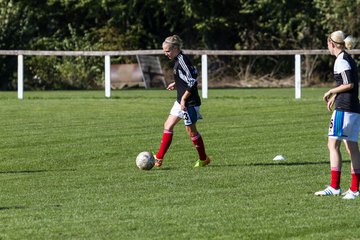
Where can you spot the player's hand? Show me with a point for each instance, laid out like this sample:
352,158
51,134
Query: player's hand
326,96
330,103
171,86
182,105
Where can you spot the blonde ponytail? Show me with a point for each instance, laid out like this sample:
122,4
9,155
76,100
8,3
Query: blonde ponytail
350,42
338,38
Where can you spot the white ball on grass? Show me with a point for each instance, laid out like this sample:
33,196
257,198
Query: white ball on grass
145,161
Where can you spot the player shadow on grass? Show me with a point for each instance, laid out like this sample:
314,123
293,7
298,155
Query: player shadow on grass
293,163
12,208
35,171
277,163
19,207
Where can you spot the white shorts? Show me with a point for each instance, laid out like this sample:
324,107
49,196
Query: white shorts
344,126
190,116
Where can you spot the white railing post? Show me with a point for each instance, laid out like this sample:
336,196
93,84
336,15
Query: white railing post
20,83
204,76
297,76
107,77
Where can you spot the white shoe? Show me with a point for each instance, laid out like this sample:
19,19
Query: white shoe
350,194
329,191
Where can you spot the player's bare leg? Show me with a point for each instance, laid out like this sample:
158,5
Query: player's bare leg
335,165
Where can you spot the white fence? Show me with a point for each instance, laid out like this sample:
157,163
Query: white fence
204,70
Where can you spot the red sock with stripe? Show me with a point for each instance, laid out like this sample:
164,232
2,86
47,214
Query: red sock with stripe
335,177
165,143
199,145
355,177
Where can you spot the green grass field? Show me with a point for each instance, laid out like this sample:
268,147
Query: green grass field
67,168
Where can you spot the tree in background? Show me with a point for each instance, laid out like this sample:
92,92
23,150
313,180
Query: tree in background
143,24
336,15
15,31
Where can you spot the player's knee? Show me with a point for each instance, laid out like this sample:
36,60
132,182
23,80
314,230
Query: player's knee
334,143
352,147
191,131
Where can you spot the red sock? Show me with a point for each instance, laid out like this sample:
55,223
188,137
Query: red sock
199,145
355,177
165,144
335,178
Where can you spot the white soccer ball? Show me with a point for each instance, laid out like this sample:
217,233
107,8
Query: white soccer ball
145,161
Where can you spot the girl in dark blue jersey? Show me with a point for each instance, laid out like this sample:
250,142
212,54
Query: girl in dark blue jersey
345,120
187,104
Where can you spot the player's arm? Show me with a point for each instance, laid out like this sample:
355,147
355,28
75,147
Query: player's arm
339,89
183,100
347,82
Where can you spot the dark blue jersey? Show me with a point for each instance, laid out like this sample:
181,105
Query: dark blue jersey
185,75
345,72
